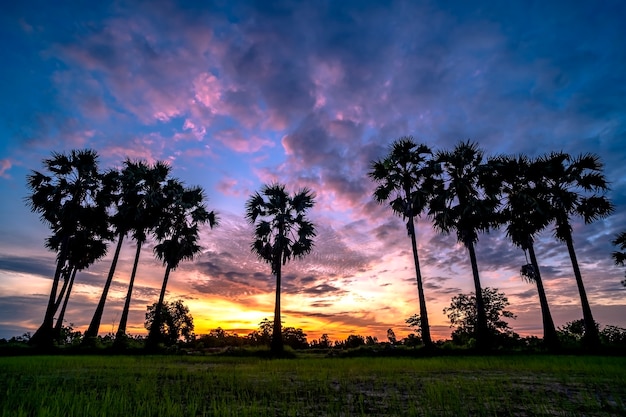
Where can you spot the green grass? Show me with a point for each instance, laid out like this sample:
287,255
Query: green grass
247,386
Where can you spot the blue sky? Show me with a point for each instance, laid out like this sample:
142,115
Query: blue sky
234,94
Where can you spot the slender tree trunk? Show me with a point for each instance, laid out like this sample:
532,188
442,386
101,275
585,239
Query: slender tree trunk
276,345
44,335
94,326
59,325
550,337
155,330
482,333
425,326
66,280
592,338
121,329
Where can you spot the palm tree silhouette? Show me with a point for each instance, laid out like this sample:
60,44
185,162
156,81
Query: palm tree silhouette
525,214
177,233
282,232
128,185
575,186
68,199
463,204
407,179
148,212
85,249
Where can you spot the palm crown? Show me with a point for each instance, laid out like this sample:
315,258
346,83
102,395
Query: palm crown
282,231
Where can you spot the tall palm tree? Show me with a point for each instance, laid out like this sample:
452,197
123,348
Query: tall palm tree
620,257
575,186
407,178
128,185
67,199
463,204
525,214
282,232
148,213
177,234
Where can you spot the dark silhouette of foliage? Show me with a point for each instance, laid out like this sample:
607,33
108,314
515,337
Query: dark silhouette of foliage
70,199
620,257
524,214
148,205
406,178
282,232
174,322
177,233
463,316
466,204
575,186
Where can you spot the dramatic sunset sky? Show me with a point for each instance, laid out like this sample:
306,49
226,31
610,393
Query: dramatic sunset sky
235,94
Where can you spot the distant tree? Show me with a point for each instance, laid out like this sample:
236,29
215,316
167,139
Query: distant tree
465,204
295,338
406,178
354,341
620,257
177,234
575,186
323,342
463,315
174,322
414,322
69,199
371,340
282,232
391,336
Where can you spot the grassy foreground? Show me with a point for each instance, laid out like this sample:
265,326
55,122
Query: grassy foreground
228,386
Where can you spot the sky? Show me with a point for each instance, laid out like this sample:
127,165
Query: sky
237,94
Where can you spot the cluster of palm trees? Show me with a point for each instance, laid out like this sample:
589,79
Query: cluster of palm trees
86,208
464,192
460,190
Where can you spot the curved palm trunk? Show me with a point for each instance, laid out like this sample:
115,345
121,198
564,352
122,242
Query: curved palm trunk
276,345
425,326
482,333
550,337
155,330
592,338
94,326
121,329
45,333
59,325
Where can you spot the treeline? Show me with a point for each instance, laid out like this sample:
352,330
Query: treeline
461,191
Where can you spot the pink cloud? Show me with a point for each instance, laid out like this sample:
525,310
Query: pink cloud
5,165
235,140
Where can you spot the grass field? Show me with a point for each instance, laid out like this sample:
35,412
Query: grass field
228,386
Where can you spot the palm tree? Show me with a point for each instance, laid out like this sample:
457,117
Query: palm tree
576,186
463,204
525,214
407,178
177,234
282,232
620,257
68,199
148,213
86,249
129,188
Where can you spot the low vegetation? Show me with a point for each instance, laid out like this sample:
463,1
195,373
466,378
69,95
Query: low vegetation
311,386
